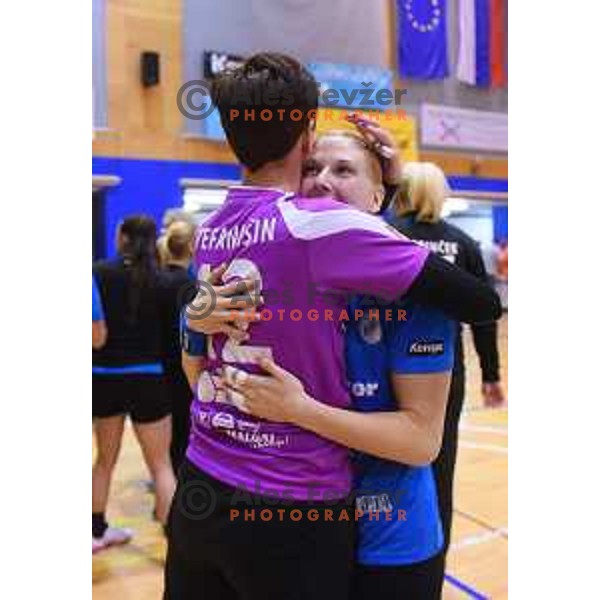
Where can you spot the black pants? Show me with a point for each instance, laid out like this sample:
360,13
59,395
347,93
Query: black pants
180,396
420,581
214,555
444,465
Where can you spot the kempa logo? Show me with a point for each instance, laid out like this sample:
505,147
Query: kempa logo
432,348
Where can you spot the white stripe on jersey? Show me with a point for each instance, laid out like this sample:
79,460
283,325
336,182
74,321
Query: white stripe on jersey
311,225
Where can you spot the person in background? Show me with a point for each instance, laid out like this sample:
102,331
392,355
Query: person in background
128,375
417,214
172,216
98,323
163,252
177,290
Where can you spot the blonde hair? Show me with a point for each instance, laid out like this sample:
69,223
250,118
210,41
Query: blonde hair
163,252
423,190
176,243
180,239
372,157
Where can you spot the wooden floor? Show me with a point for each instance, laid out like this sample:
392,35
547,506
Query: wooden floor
478,560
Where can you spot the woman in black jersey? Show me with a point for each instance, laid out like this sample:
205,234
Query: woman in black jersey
417,214
128,375
177,290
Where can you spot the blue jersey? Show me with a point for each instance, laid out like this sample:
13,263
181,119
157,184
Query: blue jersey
375,348
192,342
97,312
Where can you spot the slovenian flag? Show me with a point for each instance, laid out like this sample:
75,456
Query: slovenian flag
481,50
422,36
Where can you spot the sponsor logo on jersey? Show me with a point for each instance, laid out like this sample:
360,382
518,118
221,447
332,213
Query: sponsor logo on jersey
361,390
426,348
248,426
371,504
444,248
223,421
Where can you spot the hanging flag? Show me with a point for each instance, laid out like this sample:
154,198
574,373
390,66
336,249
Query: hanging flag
482,43
423,47
498,43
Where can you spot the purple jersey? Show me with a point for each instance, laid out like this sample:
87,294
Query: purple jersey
309,255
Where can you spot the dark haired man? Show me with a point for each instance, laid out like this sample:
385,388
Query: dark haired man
260,509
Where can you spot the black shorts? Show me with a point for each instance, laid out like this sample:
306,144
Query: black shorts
143,397
419,581
215,554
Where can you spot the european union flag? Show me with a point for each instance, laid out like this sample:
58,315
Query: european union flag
423,46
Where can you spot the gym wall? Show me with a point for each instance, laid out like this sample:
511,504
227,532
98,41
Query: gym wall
141,137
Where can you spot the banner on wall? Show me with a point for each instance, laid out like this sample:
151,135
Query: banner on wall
449,127
216,62
356,87
352,86
401,125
